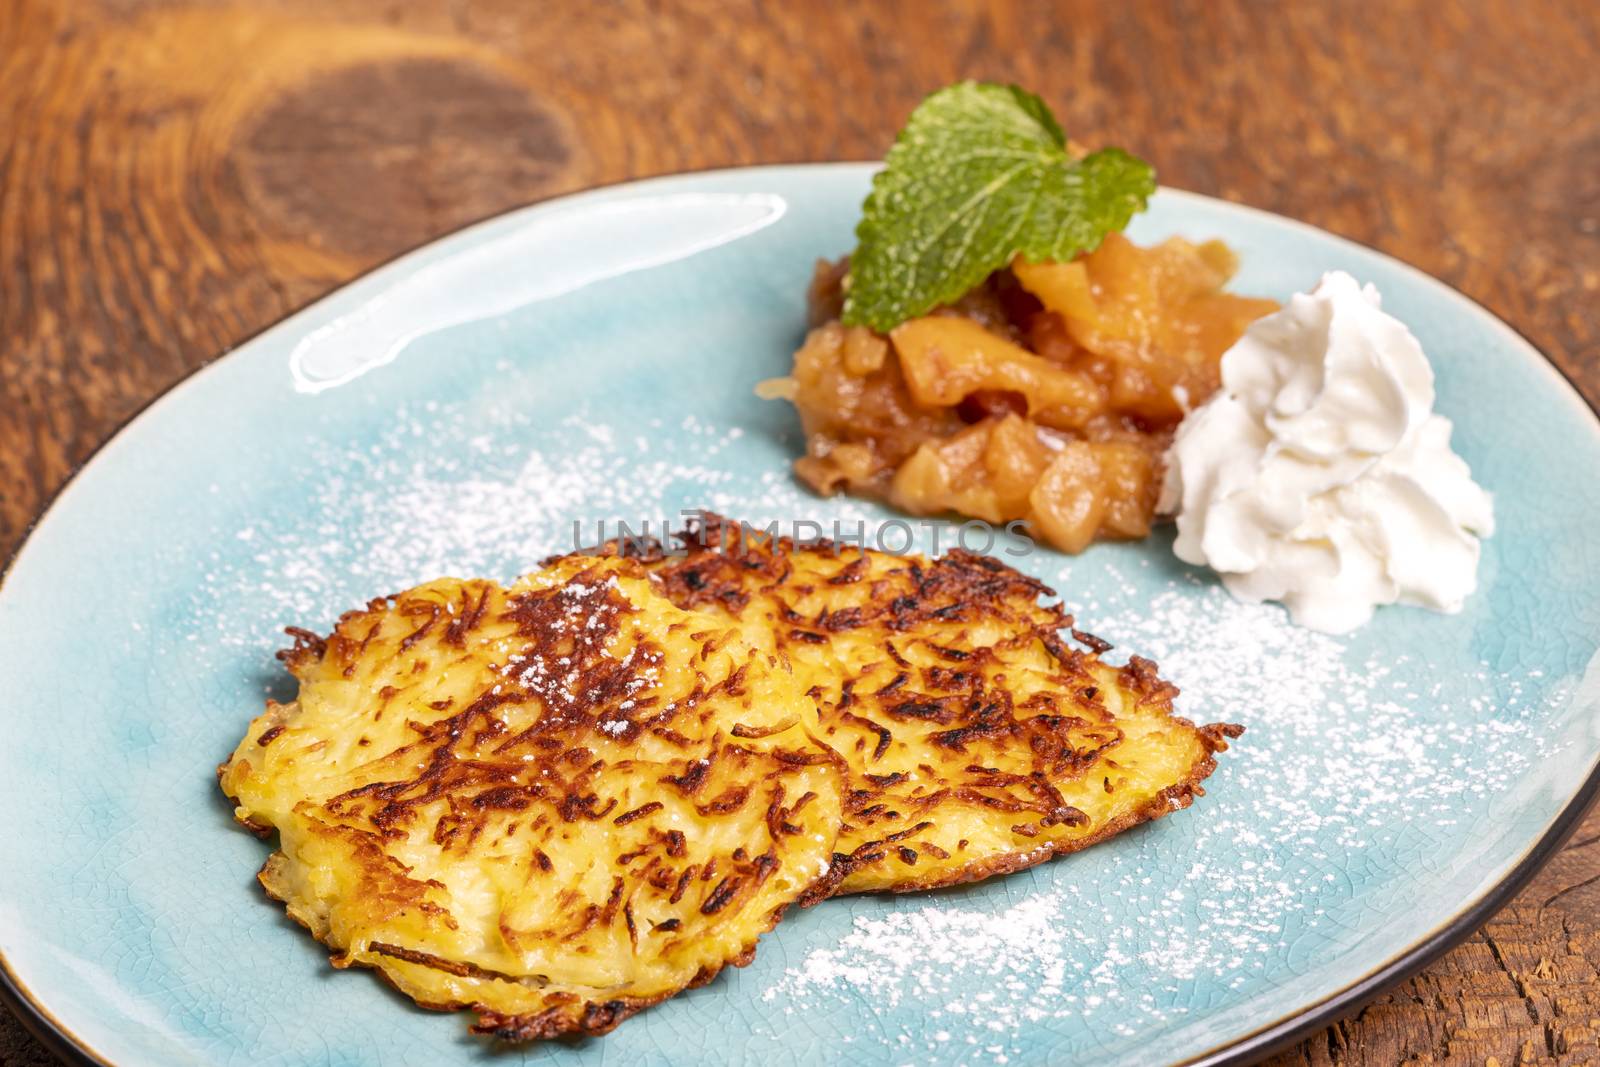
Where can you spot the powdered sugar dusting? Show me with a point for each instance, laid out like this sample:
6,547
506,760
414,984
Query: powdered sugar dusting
1359,767
490,495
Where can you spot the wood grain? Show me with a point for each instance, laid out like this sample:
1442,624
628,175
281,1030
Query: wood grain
174,177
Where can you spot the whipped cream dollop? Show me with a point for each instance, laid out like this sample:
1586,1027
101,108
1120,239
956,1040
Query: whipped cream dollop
1319,475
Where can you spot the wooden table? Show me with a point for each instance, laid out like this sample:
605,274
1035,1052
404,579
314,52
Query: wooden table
174,177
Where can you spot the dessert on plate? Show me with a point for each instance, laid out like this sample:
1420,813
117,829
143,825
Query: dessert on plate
560,802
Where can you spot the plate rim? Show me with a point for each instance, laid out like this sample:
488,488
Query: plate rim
59,1038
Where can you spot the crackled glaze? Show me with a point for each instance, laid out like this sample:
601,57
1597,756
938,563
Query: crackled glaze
1388,780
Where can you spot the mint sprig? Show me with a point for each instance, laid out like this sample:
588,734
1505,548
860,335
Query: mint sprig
980,174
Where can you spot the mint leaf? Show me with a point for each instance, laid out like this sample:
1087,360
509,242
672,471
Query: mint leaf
980,174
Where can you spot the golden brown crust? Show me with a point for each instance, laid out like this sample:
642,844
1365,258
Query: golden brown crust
953,697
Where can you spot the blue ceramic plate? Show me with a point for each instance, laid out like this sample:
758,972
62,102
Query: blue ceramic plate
592,359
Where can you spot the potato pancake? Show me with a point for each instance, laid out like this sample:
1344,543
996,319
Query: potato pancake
978,741
555,803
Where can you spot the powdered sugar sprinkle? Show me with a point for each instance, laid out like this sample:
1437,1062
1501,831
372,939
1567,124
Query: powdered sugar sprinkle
1358,764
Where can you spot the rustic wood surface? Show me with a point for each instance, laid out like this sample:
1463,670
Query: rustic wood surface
174,177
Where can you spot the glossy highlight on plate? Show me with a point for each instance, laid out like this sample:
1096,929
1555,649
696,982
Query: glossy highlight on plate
505,273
